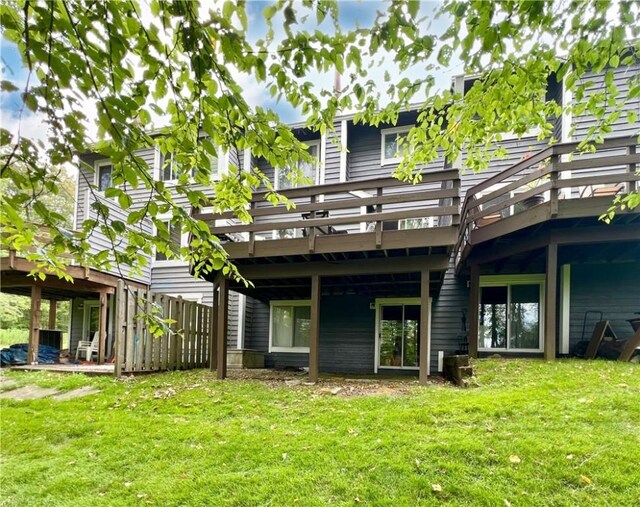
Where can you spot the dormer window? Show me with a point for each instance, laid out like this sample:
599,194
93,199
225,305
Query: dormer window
394,144
310,170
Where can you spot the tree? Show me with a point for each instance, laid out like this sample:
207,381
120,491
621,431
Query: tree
188,65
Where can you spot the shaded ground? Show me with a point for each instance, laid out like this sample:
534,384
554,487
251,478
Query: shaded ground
337,385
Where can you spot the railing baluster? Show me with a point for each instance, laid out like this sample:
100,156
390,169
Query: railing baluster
553,193
379,222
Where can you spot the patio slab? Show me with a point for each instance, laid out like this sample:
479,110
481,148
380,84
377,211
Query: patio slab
76,393
28,393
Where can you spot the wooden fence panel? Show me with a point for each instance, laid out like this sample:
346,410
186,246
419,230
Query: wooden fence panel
149,339
185,345
131,310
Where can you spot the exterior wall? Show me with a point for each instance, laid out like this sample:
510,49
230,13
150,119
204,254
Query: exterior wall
176,280
621,127
347,336
613,289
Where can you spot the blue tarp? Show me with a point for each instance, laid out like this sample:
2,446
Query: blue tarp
17,354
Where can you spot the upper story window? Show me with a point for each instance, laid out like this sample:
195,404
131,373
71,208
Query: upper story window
103,171
394,144
175,235
290,326
170,169
310,170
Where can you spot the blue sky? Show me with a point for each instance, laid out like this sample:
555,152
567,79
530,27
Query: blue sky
352,14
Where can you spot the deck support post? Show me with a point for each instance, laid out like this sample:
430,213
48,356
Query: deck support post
550,302
474,305
102,327
213,352
34,329
314,335
53,307
425,338
223,315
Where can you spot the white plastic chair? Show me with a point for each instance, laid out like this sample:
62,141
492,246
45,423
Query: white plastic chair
89,347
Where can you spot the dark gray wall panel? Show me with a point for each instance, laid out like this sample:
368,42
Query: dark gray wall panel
613,289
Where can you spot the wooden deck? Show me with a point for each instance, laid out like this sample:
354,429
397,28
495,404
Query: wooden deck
550,187
371,215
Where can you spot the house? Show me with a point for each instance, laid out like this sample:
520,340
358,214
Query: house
371,275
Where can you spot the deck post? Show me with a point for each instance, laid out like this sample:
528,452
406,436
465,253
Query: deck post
53,307
102,327
34,329
223,304
120,328
314,334
550,302
474,304
425,338
213,352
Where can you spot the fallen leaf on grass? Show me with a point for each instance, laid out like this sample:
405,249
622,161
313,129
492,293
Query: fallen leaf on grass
569,456
514,459
436,488
585,479
507,502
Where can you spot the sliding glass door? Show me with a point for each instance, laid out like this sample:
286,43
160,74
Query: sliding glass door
510,316
398,335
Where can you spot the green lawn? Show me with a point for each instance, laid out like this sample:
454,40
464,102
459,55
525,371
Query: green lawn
533,433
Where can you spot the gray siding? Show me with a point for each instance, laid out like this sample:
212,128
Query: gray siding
347,336
613,289
332,155
621,127
176,280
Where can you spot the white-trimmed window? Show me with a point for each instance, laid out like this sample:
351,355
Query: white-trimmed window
177,240
169,170
290,326
510,313
394,144
310,170
103,174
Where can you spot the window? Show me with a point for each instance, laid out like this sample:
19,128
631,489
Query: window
394,144
310,170
103,172
510,313
169,169
290,326
174,232
415,223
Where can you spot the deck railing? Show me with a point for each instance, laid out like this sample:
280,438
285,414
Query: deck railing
546,179
364,206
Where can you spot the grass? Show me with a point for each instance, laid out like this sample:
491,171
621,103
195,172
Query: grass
534,433
10,336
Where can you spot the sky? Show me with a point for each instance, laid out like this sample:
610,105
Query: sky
14,117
